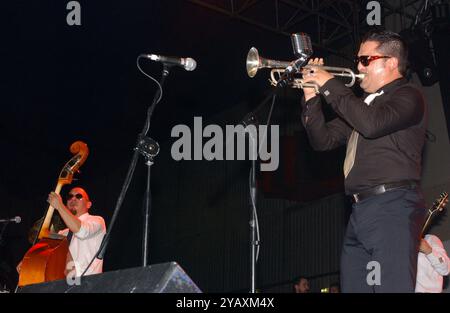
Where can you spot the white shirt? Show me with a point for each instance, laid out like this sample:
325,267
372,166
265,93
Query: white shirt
85,244
432,267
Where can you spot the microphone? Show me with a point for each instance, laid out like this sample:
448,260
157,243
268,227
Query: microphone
301,44
16,220
188,64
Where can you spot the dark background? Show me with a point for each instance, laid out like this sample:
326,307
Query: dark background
63,83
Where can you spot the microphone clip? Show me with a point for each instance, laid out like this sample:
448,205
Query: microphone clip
147,147
291,70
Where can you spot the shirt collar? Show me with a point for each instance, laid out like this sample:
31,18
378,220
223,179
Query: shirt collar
84,215
389,86
396,82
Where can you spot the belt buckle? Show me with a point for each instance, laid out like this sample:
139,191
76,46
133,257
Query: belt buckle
355,197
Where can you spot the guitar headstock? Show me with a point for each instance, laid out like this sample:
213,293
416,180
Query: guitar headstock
81,151
440,203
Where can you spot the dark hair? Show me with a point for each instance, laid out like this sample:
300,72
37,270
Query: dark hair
298,279
390,44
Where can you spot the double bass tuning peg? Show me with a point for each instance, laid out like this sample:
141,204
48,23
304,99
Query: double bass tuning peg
76,172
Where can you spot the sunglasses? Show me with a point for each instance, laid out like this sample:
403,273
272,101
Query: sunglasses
367,59
79,196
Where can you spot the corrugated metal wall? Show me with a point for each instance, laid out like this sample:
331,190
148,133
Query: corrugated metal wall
203,224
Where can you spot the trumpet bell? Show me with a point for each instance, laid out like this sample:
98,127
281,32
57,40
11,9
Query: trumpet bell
252,62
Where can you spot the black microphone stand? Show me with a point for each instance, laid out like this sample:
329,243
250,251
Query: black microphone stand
254,242
250,119
148,148
5,224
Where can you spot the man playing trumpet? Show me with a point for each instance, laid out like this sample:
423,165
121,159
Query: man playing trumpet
384,132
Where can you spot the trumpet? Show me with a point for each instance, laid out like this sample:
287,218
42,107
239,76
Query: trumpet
255,62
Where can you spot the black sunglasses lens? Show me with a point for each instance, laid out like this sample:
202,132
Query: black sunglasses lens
363,59
79,196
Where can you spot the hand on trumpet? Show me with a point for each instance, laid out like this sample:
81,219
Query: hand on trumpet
314,75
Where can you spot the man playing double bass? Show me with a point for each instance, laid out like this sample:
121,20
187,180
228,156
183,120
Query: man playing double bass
85,232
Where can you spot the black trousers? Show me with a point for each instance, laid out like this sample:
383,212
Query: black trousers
381,244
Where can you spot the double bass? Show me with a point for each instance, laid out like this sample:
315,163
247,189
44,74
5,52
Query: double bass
46,260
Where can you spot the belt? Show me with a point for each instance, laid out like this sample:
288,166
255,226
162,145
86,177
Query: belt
380,189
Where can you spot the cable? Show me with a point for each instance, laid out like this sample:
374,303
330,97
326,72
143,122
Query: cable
255,214
149,76
152,107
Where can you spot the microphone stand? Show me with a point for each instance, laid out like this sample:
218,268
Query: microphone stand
254,242
148,148
3,231
250,119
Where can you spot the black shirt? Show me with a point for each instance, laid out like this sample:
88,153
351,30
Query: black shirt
392,131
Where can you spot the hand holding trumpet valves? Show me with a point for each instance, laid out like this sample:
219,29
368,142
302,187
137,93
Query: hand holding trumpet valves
314,72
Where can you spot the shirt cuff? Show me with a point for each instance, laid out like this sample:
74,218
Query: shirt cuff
333,89
434,259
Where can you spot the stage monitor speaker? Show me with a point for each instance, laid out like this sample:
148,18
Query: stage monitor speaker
159,278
